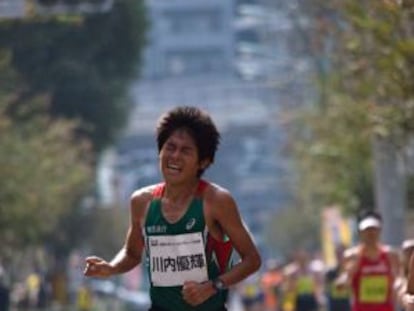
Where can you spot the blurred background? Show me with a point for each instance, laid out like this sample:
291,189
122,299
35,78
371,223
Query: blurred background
314,100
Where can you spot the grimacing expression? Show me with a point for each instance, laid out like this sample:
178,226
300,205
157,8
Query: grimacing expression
179,158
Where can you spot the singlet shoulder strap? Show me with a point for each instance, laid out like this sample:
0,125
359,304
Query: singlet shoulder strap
158,190
385,249
202,185
385,253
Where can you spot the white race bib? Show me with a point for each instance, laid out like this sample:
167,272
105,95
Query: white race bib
175,259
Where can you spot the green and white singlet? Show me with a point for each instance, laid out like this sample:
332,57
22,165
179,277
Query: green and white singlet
182,251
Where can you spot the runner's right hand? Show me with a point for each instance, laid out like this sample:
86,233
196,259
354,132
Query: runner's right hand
341,282
98,267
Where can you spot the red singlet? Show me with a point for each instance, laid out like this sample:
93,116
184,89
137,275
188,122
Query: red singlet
372,284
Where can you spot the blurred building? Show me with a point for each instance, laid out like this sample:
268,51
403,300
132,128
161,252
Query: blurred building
188,38
29,8
270,47
12,8
52,7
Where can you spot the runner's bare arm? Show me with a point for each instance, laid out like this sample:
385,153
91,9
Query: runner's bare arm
223,218
130,255
223,210
396,268
396,263
349,263
226,213
408,297
410,280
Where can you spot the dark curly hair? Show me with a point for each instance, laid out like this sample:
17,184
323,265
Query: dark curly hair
198,125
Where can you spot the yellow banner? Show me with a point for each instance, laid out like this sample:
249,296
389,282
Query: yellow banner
336,232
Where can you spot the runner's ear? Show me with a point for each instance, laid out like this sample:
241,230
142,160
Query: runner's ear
204,163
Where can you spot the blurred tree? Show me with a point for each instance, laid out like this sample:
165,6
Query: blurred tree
44,168
290,232
368,93
83,227
84,64
107,230
333,156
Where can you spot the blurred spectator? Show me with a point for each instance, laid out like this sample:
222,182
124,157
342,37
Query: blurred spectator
33,286
252,296
84,298
44,293
407,249
271,282
19,296
303,283
4,292
74,278
59,287
338,299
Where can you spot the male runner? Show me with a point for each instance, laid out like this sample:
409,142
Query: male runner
186,225
371,268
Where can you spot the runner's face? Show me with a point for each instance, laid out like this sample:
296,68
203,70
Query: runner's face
370,235
179,157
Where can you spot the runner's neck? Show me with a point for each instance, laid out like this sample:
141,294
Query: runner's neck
177,195
371,250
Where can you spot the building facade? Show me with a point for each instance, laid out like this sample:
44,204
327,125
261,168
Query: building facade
188,38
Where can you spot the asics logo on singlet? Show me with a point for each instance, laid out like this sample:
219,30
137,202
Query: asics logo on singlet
190,224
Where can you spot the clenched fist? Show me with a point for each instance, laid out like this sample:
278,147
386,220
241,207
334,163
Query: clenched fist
98,267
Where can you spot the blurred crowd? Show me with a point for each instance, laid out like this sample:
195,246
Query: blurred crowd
303,283
38,292
46,287
307,283
283,286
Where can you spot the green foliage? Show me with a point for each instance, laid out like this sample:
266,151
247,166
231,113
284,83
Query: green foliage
385,52
44,169
369,91
85,64
107,230
63,83
290,232
334,155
